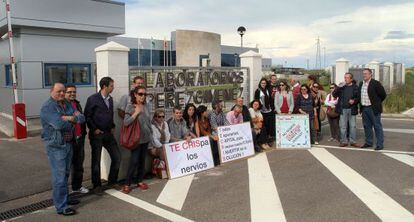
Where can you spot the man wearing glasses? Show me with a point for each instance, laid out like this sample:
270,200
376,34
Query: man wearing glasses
78,144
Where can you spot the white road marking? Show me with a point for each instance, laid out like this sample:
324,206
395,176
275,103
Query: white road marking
175,191
361,149
265,204
407,159
392,130
379,202
146,206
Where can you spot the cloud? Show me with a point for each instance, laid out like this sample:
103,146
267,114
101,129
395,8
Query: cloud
286,29
398,35
343,22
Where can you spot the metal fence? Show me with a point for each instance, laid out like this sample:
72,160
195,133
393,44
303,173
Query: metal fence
171,86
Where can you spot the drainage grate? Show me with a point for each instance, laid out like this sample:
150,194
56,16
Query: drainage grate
25,210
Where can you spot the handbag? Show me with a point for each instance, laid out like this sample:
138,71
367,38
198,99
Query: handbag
322,114
130,135
332,114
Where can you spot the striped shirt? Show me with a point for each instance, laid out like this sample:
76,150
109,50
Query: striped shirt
364,94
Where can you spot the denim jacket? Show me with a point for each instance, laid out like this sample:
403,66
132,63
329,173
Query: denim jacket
53,126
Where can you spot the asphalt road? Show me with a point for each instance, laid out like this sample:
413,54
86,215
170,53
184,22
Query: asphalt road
321,184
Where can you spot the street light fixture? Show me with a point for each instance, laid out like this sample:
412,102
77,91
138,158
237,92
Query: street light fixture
241,30
235,59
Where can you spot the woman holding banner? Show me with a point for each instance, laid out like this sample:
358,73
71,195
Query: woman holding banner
284,103
203,128
306,105
263,94
137,110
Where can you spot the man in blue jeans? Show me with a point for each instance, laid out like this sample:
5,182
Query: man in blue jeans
58,118
347,106
372,94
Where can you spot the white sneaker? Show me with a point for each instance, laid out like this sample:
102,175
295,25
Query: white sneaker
316,143
83,190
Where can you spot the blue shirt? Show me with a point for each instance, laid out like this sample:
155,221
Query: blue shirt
53,126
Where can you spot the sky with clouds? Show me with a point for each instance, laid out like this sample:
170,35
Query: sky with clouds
286,31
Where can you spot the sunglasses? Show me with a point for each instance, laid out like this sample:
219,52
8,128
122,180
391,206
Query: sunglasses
160,116
141,94
281,84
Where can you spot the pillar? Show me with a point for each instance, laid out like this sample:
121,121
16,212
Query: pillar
403,73
253,61
342,67
112,61
391,73
374,65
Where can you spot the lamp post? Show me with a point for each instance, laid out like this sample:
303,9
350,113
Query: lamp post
241,30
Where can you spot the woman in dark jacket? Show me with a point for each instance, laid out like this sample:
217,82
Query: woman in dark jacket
263,94
306,105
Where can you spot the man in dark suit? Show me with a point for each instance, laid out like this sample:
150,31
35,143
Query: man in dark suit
372,94
99,113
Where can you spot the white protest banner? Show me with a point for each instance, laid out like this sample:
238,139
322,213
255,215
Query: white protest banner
292,131
184,158
235,142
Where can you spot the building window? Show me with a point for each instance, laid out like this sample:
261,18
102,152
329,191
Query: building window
9,77
77,74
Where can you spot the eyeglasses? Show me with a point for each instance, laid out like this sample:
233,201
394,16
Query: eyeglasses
160,117
141,94
70,92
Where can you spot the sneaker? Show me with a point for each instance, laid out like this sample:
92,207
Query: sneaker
316,143
82,190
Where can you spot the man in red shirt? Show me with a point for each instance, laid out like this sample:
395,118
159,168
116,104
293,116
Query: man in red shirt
78,144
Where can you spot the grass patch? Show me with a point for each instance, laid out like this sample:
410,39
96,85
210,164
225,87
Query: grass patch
401,98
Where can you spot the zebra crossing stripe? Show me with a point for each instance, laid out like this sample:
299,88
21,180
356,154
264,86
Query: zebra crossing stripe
175,191
407,159
147,206
380,203
265,204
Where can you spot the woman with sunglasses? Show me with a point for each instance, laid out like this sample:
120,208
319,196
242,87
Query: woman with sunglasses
160,133
284,103
331,102
138,110
306,105
318,97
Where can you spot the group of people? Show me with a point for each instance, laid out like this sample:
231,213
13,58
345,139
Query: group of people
64,125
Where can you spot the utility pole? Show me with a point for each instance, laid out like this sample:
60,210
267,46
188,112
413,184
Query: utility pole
318,64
